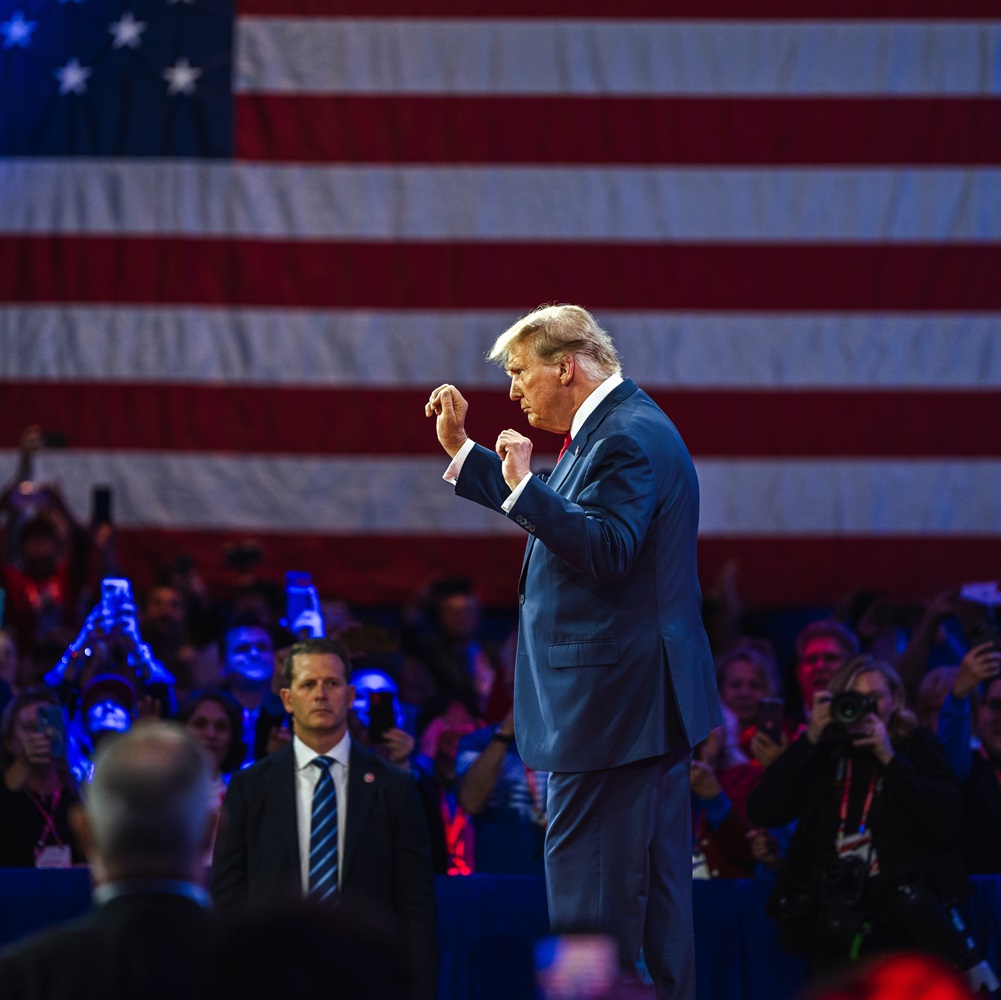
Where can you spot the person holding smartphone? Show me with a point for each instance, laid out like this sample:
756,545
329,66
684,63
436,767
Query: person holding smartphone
37,791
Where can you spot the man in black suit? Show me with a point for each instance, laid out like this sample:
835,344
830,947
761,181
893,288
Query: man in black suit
379,838
146,827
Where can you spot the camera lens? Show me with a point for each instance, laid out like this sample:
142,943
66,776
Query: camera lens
849,706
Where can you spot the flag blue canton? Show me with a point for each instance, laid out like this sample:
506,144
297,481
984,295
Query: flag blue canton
114,78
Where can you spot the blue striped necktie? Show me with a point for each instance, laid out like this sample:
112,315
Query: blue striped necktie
323,835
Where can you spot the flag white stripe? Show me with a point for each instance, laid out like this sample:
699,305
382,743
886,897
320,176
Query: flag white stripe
391,496
634,204
386,348
428,56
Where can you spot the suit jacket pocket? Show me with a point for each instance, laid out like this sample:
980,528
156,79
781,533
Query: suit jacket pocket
585,653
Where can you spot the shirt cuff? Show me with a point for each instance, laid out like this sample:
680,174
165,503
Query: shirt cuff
515,493
455,466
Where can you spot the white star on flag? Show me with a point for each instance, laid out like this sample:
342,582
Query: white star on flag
127,31
17,31
181,77
73,78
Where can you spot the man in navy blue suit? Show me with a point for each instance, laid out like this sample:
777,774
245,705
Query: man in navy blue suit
614,680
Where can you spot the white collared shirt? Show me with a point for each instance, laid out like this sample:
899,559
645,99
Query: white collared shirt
583,412
306,777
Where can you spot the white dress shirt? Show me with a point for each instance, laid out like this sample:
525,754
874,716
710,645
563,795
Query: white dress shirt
306,777
583,412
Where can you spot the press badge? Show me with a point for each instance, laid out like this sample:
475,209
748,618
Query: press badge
54,856
858,845
700,866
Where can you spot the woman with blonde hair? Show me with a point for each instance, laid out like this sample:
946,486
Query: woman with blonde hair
875,853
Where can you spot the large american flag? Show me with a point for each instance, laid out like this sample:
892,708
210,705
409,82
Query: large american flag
238,248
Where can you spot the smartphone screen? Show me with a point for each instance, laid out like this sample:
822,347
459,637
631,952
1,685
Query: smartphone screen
302,603
381,714
768,719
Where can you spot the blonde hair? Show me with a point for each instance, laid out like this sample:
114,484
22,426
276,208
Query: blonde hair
903,721
557,331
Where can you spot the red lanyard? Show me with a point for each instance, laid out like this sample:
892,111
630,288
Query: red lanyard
49,817
457,837
34,591
846,787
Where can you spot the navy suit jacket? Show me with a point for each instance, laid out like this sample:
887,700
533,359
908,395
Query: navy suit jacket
387,853
613,661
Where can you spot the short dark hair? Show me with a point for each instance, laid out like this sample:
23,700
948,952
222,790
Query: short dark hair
322,646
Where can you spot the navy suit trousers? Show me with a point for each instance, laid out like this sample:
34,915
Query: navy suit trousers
618,861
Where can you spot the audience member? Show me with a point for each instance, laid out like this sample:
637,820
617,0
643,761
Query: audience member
202,618
46,553
43,578
164,626
37,790
443,654
746,676
932,690
325,817
443,722
395,746
506,800
250,675
721,778
214,720
821,648
875,853
144,829
107,706
940,638
979,770
392,743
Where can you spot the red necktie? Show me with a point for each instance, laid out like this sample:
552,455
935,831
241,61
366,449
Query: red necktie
566,444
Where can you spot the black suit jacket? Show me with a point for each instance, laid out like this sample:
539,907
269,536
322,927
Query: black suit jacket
146,945
387,854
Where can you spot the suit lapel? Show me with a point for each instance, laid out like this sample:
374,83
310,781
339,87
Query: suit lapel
578,446
281,793
362,781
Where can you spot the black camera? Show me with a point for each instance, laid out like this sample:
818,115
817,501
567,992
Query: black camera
850,706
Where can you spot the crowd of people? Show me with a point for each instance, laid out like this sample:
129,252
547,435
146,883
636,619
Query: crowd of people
863,777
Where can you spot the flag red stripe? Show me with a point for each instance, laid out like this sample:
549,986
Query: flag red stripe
898,10
387,569
350,421
856,277
608,130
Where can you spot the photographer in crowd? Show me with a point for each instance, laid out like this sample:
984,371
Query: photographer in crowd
874,861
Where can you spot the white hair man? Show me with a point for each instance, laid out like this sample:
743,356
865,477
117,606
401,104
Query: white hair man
614,680
146,825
